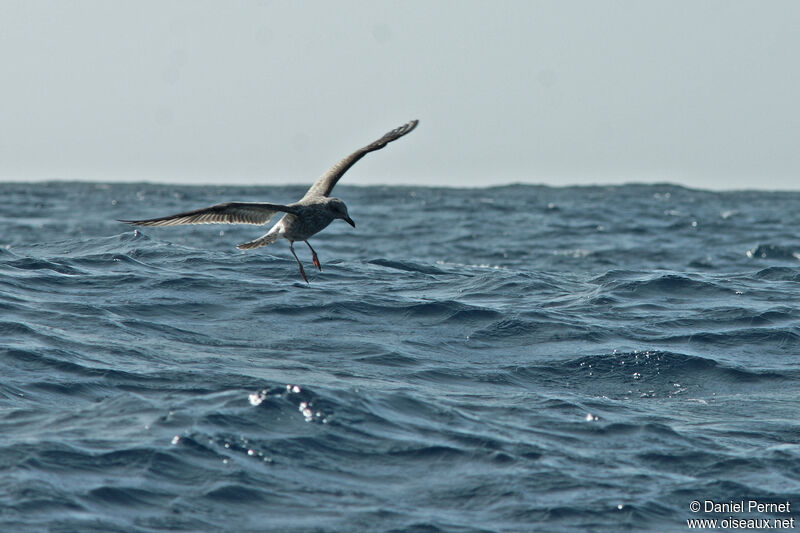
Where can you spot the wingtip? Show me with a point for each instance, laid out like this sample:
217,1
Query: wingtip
400,131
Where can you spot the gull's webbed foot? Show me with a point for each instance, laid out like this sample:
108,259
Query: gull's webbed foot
303,273
299,264
314,257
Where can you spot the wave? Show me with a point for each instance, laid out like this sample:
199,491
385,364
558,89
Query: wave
578,367
774,251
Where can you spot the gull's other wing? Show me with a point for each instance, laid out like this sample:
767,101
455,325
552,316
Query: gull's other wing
324,185
228,213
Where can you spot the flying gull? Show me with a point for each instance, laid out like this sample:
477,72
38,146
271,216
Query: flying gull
302,219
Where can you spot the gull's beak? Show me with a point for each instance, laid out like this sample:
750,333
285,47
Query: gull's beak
350,221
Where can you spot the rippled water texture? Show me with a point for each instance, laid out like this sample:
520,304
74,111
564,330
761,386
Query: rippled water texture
507,359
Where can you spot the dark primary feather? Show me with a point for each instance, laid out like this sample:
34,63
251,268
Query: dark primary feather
228,213
326,182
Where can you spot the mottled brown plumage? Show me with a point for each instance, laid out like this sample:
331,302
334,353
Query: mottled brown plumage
302,219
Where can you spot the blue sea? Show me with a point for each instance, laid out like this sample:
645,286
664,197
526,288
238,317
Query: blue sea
507,359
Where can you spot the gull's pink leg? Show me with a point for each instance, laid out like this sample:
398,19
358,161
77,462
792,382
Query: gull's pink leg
314,257
302,272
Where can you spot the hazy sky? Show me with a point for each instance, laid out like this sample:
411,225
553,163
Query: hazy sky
702,93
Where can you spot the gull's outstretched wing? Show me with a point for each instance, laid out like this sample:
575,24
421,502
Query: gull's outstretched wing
228,213
324,185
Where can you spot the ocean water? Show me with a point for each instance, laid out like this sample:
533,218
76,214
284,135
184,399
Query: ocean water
518,358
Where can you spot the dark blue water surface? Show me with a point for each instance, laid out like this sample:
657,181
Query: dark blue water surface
507,359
